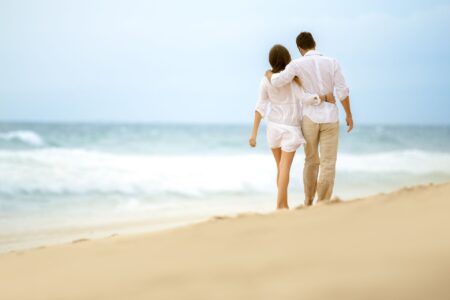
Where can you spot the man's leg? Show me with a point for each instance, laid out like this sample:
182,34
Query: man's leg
311,169
328,143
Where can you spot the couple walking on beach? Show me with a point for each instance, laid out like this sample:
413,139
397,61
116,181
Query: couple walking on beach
303,111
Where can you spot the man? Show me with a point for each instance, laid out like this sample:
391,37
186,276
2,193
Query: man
320,75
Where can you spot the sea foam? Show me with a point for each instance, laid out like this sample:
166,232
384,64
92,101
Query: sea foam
56,171
23,136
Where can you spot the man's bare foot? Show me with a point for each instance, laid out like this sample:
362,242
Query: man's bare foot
323,200
309,202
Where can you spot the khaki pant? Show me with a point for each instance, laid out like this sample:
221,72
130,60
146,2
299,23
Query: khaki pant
324,136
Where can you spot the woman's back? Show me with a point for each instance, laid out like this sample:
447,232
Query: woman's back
285,104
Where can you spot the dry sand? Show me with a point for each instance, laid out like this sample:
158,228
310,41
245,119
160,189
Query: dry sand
393,246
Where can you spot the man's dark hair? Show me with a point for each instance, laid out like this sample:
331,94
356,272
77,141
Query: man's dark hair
305,41
279,58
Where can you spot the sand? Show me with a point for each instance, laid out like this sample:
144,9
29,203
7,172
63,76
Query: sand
393,246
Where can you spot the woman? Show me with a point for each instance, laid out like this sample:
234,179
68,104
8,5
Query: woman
284,134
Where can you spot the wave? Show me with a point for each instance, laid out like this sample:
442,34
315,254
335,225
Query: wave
60,171
73,171
23,136
406,161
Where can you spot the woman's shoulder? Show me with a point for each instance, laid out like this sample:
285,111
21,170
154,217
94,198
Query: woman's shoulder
265,81
265,84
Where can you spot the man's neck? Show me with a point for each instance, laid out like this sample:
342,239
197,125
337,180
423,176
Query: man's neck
304,51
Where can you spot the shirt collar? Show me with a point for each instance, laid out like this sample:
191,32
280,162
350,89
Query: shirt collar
312,53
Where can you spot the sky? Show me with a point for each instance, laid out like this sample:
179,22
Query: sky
202,61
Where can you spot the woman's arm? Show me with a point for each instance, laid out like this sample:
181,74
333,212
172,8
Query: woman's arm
260,111
314,99
256,122
310,100
328,98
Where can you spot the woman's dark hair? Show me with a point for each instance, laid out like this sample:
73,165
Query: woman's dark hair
279,58
305,41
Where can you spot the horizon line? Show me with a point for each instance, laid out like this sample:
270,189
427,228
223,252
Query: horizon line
184,122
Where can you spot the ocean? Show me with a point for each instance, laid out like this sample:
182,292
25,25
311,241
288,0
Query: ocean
63,182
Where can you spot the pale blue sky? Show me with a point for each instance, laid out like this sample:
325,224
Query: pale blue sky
201,61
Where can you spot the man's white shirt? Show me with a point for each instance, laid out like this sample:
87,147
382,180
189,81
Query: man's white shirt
319,75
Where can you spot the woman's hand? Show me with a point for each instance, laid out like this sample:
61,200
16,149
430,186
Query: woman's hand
330,98
257,120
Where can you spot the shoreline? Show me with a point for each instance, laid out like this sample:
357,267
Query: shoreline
72,235
69,235
387,246
49,237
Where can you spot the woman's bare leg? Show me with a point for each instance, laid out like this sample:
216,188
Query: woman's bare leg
277,155
283,178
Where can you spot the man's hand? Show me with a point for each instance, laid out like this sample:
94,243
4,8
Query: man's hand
269,74
349,121
348,113
252,142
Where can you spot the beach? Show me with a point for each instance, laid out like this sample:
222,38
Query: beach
387,246
66,181
125,177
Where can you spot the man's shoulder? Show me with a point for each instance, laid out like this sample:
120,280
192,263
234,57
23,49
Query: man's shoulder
325,61
306,60
298,60
328,58
311,57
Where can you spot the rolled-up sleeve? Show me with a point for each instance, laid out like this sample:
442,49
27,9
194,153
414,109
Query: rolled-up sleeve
342,90
263,100
285,76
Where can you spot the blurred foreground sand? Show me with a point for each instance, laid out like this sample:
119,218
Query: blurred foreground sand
393,246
